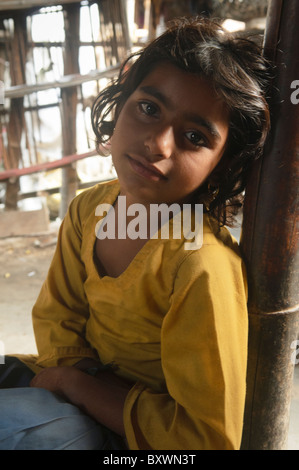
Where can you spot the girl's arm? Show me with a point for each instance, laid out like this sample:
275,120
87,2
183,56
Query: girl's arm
61,310
102,397
203,355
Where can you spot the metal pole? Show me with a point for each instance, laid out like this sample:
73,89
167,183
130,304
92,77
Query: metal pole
270,242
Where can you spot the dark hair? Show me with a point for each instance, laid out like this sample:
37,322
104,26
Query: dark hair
240,76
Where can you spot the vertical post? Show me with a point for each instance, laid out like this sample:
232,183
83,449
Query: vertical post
15,128
270,242
123,10
69,102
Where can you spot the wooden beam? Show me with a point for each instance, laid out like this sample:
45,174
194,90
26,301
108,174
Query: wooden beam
6,5
16,124
15,223
46,166
69,101
56,190
67,81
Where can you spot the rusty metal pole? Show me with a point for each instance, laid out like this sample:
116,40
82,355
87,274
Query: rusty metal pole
270,242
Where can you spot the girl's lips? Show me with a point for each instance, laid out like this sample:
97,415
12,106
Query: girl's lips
146,170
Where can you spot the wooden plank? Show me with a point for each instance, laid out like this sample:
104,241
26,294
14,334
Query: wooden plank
15,223
6,5
53,190
67,81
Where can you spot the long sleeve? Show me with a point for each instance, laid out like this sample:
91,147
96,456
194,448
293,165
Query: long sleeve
203,354
61,310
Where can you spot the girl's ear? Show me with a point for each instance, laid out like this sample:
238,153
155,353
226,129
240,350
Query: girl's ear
105,148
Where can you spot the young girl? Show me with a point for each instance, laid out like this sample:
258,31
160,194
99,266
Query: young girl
143,343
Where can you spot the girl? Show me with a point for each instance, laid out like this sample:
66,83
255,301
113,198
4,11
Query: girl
143,343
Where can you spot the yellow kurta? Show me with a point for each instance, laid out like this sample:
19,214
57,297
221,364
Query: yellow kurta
174,322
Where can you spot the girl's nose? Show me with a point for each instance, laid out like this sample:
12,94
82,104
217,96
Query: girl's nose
161,142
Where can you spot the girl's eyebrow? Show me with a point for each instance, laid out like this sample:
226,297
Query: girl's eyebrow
152,91
200,121
193,117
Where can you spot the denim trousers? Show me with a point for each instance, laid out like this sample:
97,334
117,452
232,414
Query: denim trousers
36,419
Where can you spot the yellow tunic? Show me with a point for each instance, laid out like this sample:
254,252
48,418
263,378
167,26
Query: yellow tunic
174,321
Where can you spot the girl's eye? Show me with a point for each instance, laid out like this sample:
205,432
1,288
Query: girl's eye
148,108
196,138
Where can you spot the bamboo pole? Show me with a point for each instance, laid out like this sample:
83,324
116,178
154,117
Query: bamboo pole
69,101
270,242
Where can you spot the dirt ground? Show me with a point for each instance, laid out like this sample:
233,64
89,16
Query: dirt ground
24,262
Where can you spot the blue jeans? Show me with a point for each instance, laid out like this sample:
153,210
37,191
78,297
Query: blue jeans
36,419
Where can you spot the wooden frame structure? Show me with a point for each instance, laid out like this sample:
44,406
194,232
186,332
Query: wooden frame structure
17,46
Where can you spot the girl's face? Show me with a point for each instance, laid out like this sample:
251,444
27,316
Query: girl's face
170,135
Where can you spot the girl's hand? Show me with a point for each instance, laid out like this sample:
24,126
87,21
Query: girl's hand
102,397
54,379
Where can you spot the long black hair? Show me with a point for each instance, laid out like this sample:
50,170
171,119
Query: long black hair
240,75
